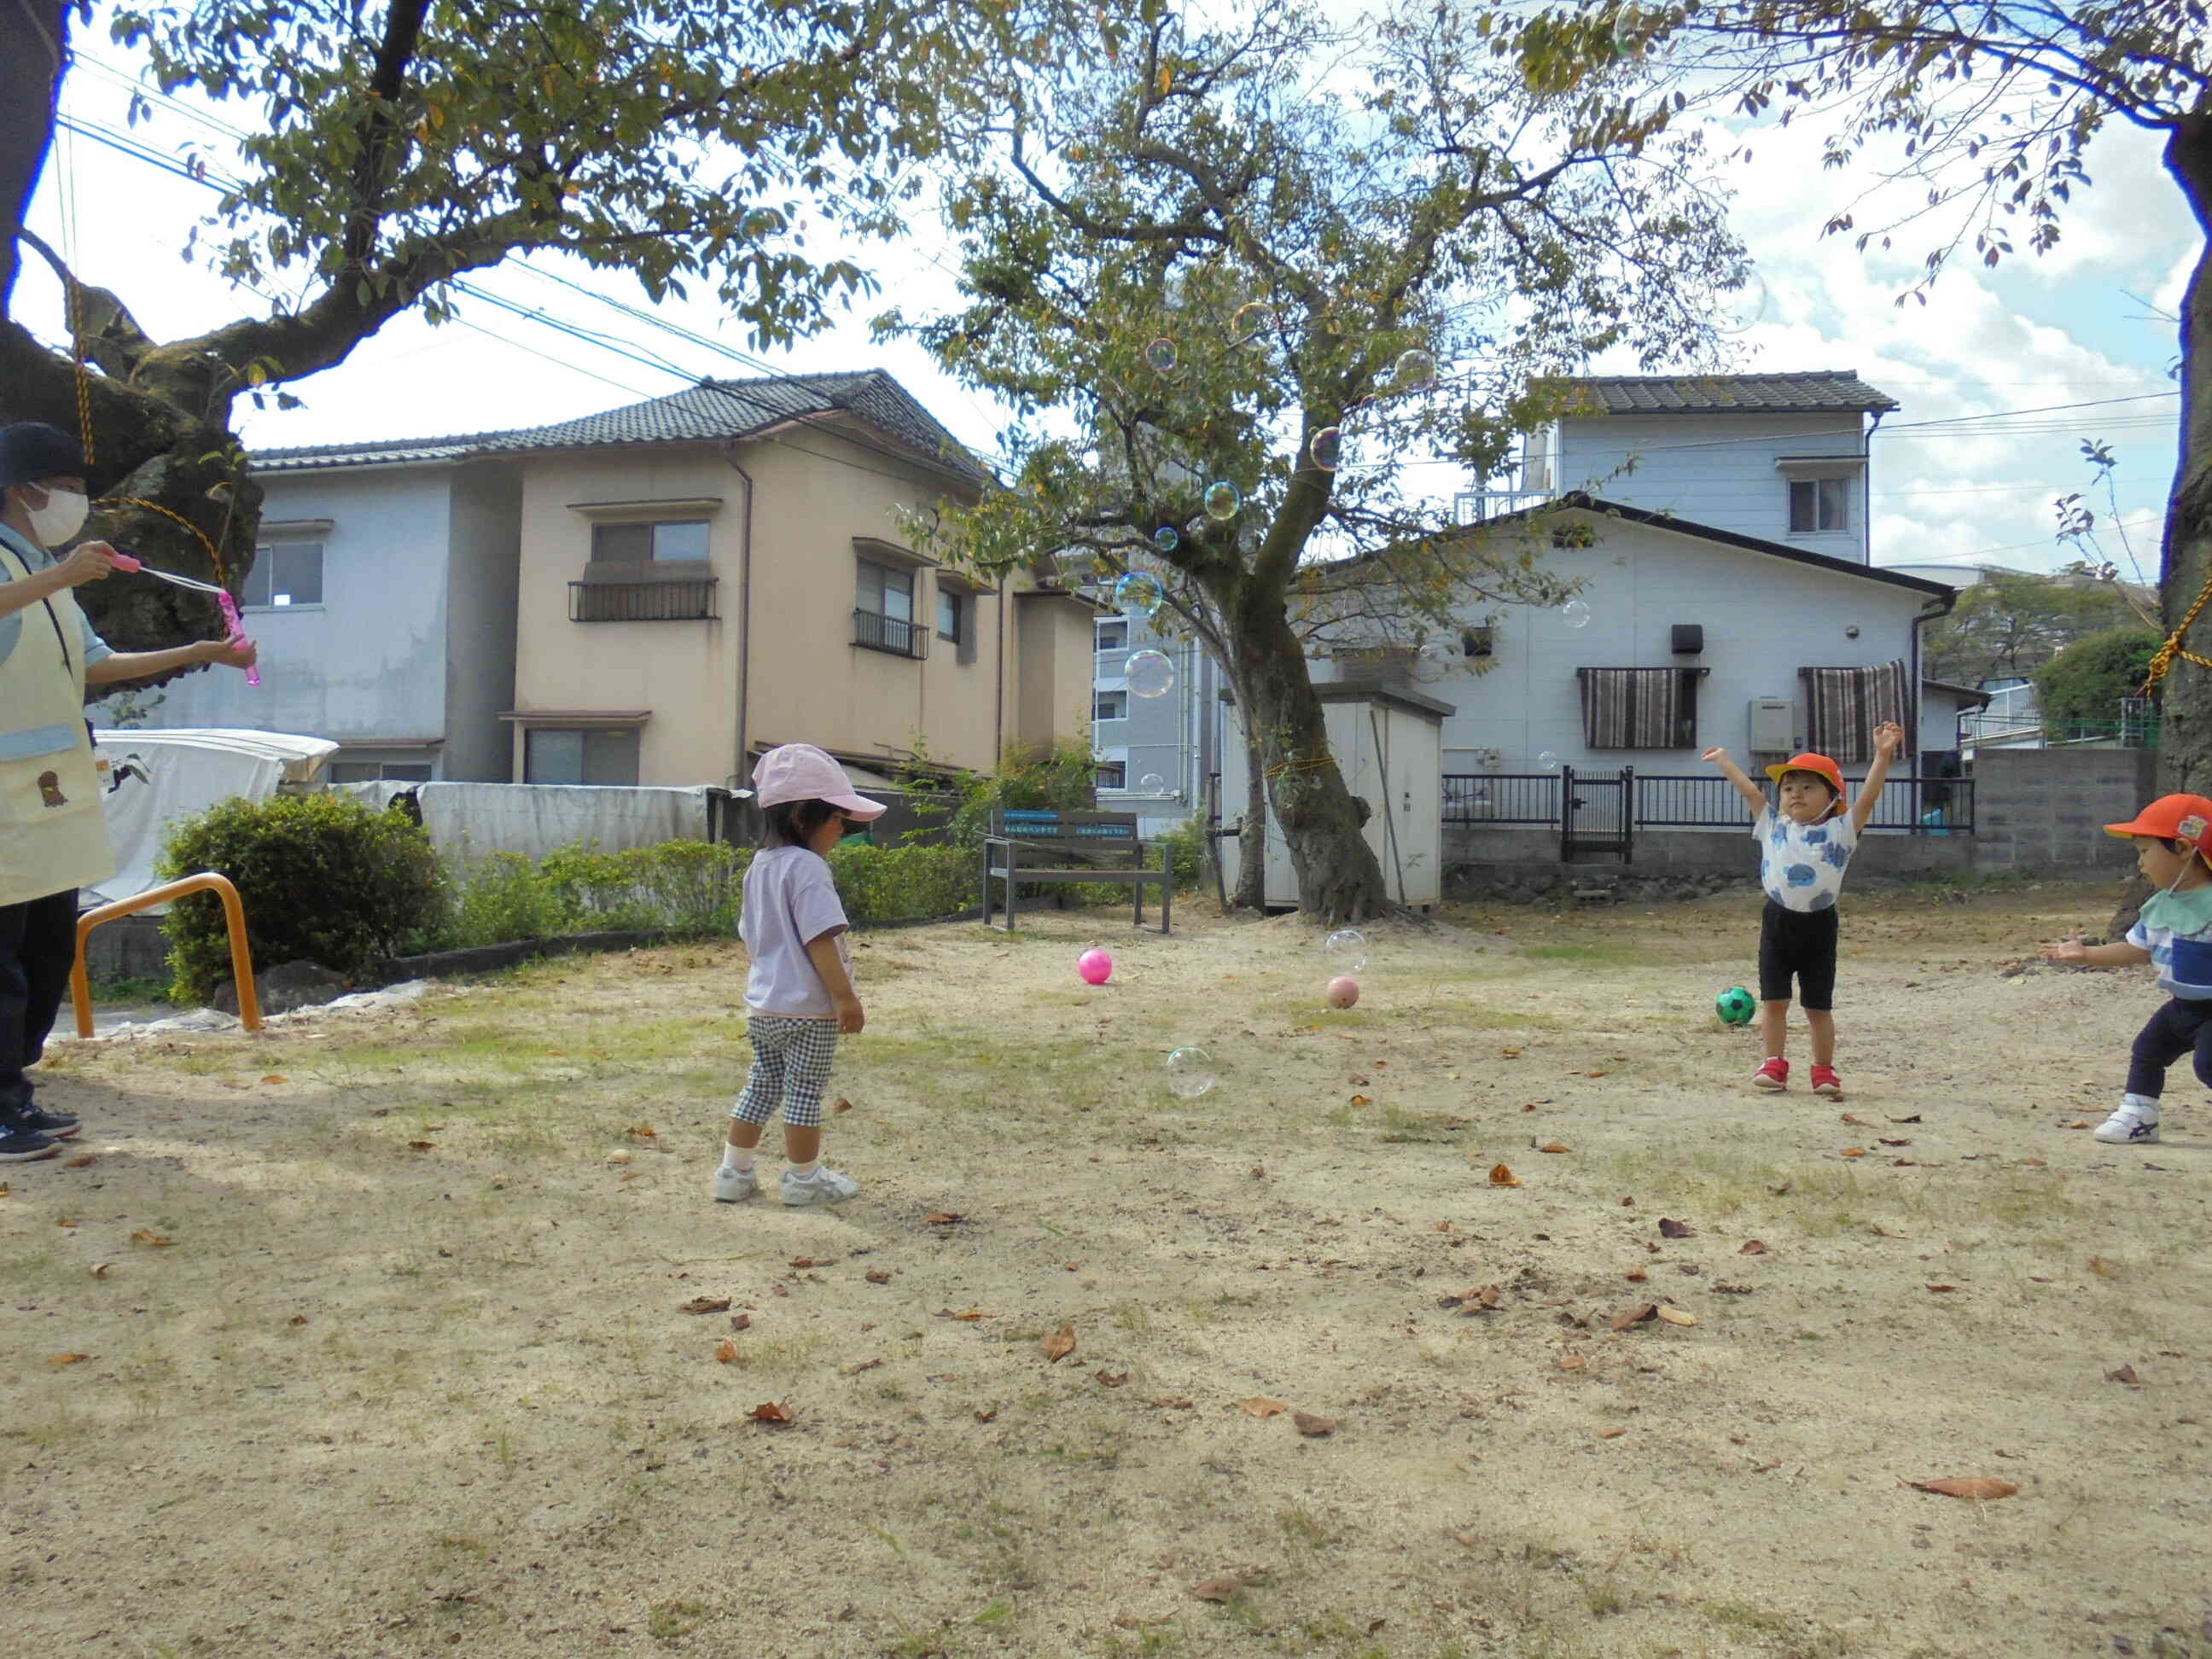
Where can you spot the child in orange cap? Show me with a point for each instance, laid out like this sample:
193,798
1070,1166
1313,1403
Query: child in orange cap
1803,848
2173,836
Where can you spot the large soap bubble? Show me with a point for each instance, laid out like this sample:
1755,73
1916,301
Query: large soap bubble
1415,371
1167,538
1152,784
1222,500
1347,950
1249,322
1548,761
1191,1072
1139,591
1576,613
1161,355
1328,448
1149,674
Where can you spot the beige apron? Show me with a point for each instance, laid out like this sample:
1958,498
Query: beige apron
53,825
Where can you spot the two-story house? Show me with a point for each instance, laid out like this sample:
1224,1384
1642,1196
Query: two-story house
1156,754
654,594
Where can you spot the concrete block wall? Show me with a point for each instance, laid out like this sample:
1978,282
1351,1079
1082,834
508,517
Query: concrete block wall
2039,810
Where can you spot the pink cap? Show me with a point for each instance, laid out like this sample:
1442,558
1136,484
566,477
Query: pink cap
800,771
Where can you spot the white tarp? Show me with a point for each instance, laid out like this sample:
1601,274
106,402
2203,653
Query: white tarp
182,771
470,821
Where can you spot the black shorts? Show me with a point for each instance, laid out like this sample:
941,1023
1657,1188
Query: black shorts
1800,943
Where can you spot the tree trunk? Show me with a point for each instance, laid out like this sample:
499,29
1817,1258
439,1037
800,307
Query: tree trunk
1338,879
1251,892
33,36
2186,564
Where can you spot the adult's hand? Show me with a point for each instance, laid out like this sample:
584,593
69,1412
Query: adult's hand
87,561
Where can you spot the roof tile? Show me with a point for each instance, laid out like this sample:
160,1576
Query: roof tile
1838,389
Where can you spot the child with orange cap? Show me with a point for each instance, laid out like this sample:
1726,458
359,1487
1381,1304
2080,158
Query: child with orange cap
1804,844
2173,839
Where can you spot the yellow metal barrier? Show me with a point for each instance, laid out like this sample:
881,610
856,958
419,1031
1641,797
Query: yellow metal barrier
234,915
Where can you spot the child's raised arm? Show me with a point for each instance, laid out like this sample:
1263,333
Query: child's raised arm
1888,738
1754,796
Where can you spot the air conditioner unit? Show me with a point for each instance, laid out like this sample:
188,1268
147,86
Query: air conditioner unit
1773,720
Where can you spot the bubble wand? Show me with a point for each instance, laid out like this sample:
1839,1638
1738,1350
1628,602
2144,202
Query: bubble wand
125,562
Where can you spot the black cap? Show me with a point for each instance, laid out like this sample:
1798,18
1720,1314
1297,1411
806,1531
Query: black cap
32,450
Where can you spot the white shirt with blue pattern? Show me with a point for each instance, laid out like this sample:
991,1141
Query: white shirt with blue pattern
2188,979
1800,866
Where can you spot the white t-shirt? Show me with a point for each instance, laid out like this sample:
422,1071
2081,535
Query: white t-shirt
789,900
1801,865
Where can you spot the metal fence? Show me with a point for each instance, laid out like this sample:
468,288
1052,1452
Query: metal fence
878,632
683,601
1922,805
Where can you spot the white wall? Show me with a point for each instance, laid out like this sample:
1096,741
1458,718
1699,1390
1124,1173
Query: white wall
1713,468
1763,617
370,660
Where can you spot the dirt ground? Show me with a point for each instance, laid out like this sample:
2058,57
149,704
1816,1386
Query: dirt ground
368,1335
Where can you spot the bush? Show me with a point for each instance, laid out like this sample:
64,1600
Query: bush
899,883
1065,778
2080,690
1186,844
323,878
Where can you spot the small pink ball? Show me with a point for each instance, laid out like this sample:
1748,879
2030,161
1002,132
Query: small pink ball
1095,967
1343,991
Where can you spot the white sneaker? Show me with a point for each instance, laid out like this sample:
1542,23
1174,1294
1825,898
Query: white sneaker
2130,1126
734,1186
824,1185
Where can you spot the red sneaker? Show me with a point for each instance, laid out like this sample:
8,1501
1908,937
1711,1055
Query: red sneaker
1825,1082
1773,1077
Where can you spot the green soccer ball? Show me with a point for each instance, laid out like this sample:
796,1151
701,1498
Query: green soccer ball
1735,1005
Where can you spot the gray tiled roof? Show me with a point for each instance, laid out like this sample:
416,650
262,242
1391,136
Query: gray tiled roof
1838,389
712,411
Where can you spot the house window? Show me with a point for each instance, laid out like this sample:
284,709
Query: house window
552,754
641,544
952,614
1113,636
1817,504
1477,641
284,573
1843,706
882,613
1111,775
1639,707
1110,706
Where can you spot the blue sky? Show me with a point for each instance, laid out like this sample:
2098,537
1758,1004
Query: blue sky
2077,327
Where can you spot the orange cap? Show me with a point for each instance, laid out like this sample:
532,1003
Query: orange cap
2172,817
1821,767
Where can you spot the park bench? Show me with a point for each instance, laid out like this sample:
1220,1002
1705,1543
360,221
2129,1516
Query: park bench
1044,845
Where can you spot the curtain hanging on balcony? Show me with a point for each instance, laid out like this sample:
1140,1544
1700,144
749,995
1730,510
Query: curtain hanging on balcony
1632,707
1843,706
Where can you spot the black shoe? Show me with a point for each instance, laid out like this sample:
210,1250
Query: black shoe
21,1144
62,1125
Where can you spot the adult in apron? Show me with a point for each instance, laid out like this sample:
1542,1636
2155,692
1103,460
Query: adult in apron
53,826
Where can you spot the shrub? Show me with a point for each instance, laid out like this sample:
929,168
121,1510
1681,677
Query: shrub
688,888
1186,844
1066,778
322,878
897,884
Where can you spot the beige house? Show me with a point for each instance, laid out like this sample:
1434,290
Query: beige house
658,593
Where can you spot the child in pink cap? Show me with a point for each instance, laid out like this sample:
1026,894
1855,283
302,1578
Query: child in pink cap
799,992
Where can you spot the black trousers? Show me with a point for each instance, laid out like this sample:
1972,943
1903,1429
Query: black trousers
1798,945
38,948
2173,1031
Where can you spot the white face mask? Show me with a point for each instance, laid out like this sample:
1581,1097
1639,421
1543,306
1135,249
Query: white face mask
61,518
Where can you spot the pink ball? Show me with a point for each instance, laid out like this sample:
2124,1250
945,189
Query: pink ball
1095,967
1343,991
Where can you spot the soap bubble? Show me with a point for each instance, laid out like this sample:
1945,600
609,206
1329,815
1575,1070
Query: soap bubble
1347,950
1139,591
1548,761
1415,371
1328,448
1247,322
1574,613
1161,355
1074,570
1149,674
1167,538
1152,784
1222,500
1191,1073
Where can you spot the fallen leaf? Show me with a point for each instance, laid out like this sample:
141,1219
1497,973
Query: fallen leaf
1611,1434
1260,1405
2102,1268
2125,1374
147,1236
2034,1162
1981,1486
1852,1152
741,1321
1508,1054
1670,1229
1858,1123
1060,1343
1110,1379
1554,1147
643,1131
1444,1226
1753,1247
1915,1118
987,1415
1635,1315
1939,1289
297,1319
725,1350
1072,1266
769,1411
878,1276
858,1366
1593,1074
970,1316
2078,1123
420,1146
705,1305
1224,1589
100,1269
1887,1141
1573,1362
814,1261
1733,1290
942,1218
1502,1176
612,1158
1361,1100
84,1162
1174,1402
1676,1316
69,1359
274,1077
841,1108
1637,1275
1312,1426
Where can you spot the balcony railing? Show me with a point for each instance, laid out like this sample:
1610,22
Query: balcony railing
686,601
1922,805
873,631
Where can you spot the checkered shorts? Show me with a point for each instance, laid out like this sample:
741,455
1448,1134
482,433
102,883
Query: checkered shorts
790,1068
